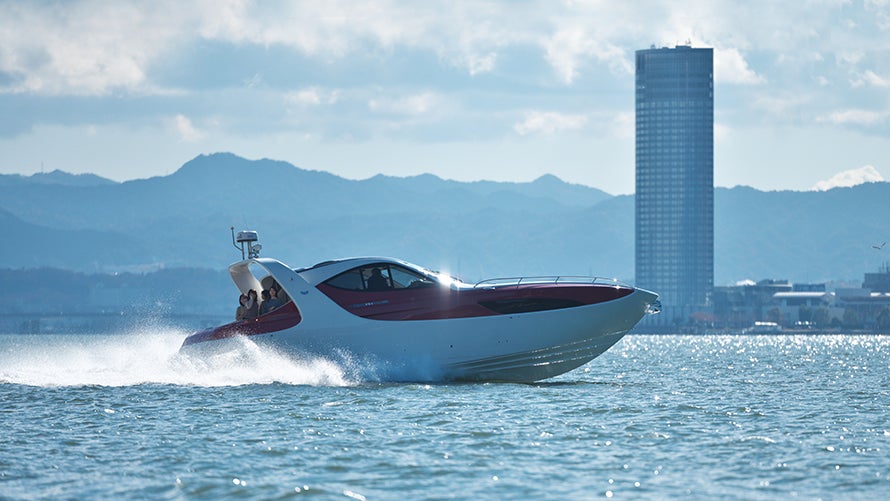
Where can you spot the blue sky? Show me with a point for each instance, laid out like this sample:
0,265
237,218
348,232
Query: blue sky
465,90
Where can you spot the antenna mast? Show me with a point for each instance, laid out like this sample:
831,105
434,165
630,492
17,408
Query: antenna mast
246,237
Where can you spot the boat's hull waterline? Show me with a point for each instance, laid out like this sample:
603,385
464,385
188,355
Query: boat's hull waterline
446,338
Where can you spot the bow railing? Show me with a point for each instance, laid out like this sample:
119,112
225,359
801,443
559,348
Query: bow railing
548,280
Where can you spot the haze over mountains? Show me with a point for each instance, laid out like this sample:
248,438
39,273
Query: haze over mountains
477,230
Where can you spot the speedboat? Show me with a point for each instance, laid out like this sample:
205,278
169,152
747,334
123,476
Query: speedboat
395,321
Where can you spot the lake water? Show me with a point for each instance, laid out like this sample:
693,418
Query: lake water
100,417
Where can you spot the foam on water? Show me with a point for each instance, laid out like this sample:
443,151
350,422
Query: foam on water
151,356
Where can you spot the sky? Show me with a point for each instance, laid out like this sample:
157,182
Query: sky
497,90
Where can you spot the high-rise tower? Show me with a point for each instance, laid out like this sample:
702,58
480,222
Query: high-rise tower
675,178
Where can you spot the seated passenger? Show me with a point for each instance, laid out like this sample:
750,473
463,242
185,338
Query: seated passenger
278,293
270,300
264,306
242,307
252,305
377,282
278,298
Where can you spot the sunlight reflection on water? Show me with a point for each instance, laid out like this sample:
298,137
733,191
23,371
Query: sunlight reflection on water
654,417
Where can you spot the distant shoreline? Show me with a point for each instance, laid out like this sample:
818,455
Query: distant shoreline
102,322
117,322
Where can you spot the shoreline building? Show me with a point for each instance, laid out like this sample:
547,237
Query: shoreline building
674,230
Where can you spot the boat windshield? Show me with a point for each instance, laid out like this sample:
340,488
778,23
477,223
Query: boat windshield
381,277
446,280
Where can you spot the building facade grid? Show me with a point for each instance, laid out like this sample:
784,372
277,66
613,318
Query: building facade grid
674,232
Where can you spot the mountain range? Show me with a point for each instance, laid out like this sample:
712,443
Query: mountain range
86,223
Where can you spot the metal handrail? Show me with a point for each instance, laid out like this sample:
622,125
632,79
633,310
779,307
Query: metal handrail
556,280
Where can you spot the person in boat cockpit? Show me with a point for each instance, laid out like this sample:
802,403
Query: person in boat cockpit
277,293
377,282
270,300
252,306
242,307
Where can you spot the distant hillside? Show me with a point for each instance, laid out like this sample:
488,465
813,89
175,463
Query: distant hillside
805,236
303,216
478,230
33,246
55,177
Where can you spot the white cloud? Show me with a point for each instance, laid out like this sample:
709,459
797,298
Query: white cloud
780,104
730,67
312,96
335,29
255,81
567,49
721,131
479,63
872,79
272,67
853,117
305,97
186,130
849,57
90,48
865,174
879,9
81,48
624,125
548,123
417,104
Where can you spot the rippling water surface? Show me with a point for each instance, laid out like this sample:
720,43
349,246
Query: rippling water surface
655,417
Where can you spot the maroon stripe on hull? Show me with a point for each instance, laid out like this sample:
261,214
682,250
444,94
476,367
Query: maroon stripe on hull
277,320
430,303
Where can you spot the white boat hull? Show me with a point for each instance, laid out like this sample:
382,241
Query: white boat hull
522,347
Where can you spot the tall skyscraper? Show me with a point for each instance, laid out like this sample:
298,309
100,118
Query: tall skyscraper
675,178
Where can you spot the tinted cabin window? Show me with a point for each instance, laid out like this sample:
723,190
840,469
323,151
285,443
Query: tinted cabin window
379,277
403,278
350,280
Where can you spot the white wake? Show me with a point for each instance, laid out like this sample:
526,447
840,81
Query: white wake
151,356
